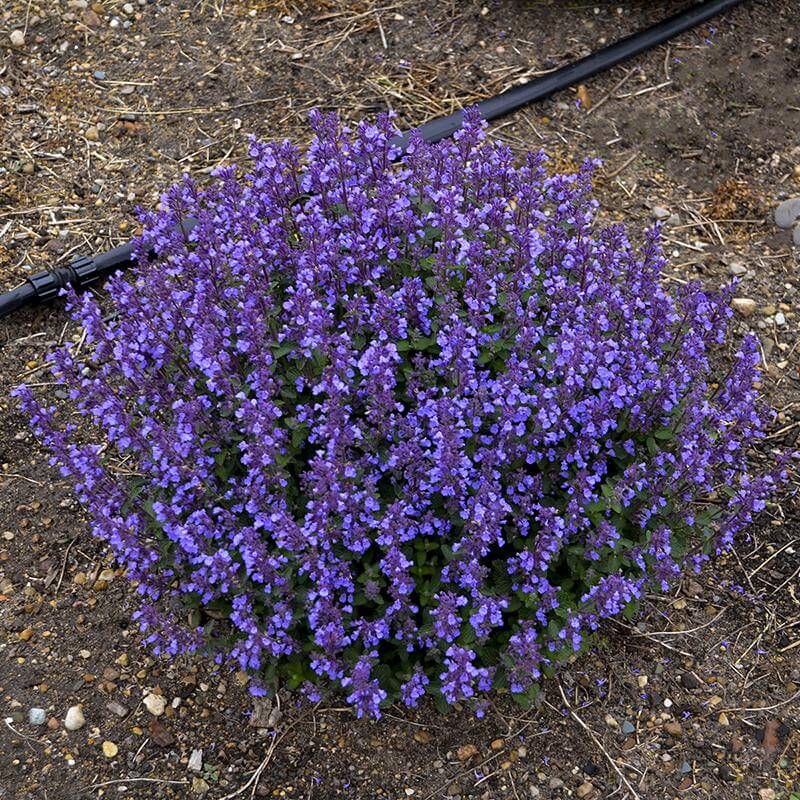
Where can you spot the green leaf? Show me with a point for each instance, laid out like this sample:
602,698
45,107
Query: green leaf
526,699
630,610
283,349
467,636
299,436
501,580
442,706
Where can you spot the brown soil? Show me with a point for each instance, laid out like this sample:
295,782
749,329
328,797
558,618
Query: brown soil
700,699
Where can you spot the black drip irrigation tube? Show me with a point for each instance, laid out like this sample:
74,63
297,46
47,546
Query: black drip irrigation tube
82,272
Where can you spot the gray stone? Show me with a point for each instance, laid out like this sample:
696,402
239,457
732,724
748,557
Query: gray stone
737,269
262,709
690,681
37,716
628,728
117,708
659,212
787,213
196,760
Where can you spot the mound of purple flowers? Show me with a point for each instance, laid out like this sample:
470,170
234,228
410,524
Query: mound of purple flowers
401,427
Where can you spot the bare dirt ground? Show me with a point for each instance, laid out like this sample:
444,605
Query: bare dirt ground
103,104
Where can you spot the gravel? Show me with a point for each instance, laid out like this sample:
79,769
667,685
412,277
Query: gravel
50,95
110,749
196,760
74,719
117,708
737,269
745,306
787,213
155,704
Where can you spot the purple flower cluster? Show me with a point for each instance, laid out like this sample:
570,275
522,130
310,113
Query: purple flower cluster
401,427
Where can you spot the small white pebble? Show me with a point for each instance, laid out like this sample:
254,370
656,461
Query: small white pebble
74,719
155,704
17,39
196,760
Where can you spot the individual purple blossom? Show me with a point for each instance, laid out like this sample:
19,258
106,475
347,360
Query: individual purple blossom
365,693
461,679
446,615
524,657
414,688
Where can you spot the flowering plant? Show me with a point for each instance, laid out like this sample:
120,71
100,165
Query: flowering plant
401,427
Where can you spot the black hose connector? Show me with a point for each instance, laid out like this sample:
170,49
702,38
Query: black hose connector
81,273
46,285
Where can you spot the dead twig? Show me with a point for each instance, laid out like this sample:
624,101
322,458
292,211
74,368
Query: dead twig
624,166
598,744
7,721
254,779
606,97
765,708
64,565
